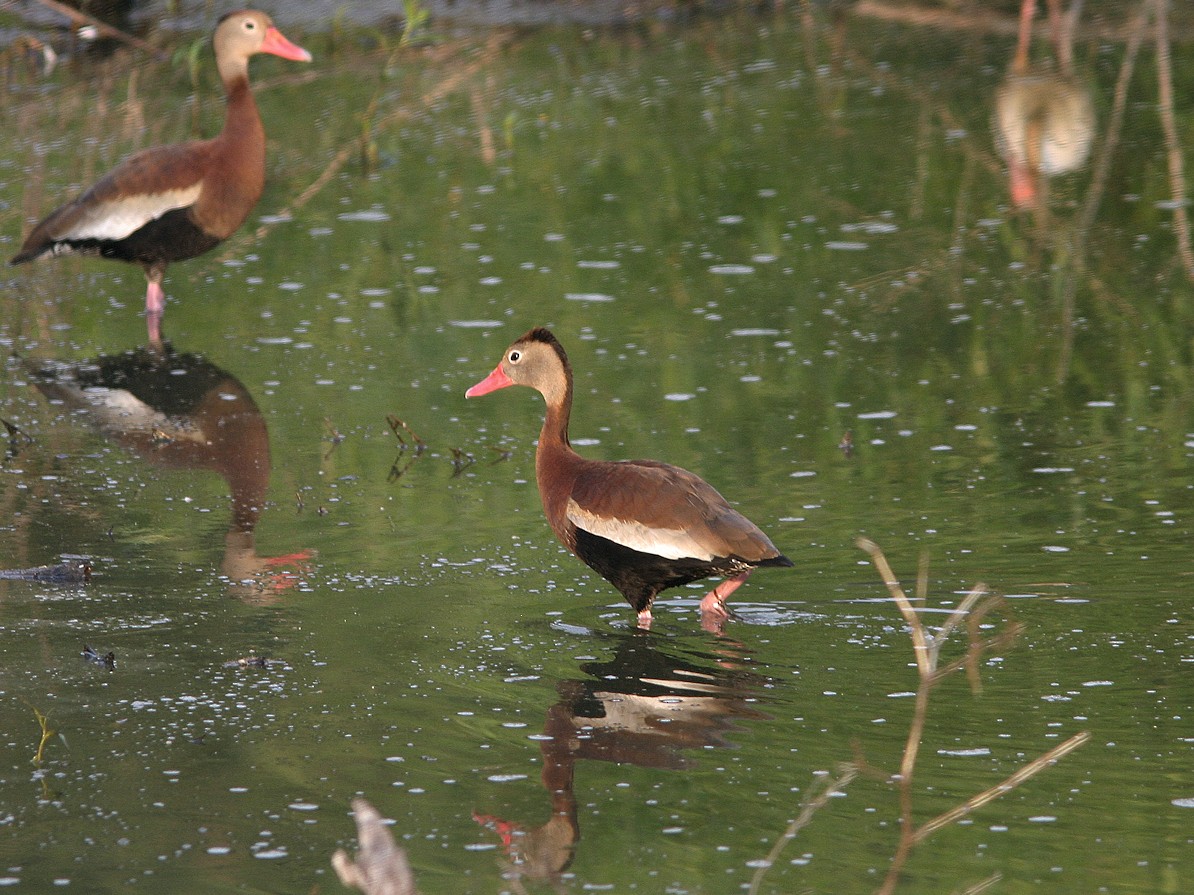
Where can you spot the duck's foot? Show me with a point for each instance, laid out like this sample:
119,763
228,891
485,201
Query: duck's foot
714,614
644,619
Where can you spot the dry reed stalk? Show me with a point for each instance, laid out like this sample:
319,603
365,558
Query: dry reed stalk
927,646
1100,169
449,84
1030,770
808,808
919,644
982,885
79,19
1173,148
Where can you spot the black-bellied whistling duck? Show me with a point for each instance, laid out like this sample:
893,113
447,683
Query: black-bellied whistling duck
170,203
640,524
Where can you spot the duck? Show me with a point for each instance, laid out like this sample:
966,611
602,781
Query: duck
172,203
1044,118
642,525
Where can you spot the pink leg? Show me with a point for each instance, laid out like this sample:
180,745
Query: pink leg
713,606
155,297
644,619
155,306
1027,13
1022,183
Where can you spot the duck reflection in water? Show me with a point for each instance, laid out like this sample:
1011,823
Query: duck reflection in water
642,707
180,411
1044,116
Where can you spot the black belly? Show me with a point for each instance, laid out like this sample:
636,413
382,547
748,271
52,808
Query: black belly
640,576
172,237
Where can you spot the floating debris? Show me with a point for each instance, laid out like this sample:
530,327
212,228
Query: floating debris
381,866
396,425
333,435
15,435
108,660
72,570
252,662
461,460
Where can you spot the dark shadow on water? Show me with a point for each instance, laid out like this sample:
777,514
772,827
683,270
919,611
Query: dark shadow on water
645,706
180,411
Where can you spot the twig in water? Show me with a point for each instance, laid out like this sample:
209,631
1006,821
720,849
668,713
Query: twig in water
1038,764
381,866
43,722
922,578
982,885
961,611
397,472
396,424
15,434
107,660
928,653
461,460
810,806
919,643
333,436
1173,148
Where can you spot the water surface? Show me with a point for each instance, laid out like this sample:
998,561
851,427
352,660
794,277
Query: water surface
754,236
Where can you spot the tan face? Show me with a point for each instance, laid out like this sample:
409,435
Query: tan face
526,363
243,34
530,363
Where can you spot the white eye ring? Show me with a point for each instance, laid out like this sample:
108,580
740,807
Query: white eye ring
515,356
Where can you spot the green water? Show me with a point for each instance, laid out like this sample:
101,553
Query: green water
753,236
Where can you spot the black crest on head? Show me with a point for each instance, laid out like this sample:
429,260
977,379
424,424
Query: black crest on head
545,335
541,333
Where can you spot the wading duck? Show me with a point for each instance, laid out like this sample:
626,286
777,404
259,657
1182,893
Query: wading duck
170,203
640,524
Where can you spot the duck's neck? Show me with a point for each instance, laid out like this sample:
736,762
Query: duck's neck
553,438
556,464
242,122
555,427
238,161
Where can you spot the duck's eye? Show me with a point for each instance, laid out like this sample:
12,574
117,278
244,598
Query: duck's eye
515,356
250,25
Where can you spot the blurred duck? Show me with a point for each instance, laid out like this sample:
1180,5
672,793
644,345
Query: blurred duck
1044,119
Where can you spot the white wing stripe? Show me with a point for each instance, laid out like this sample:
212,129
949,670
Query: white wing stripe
669,543
122,217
